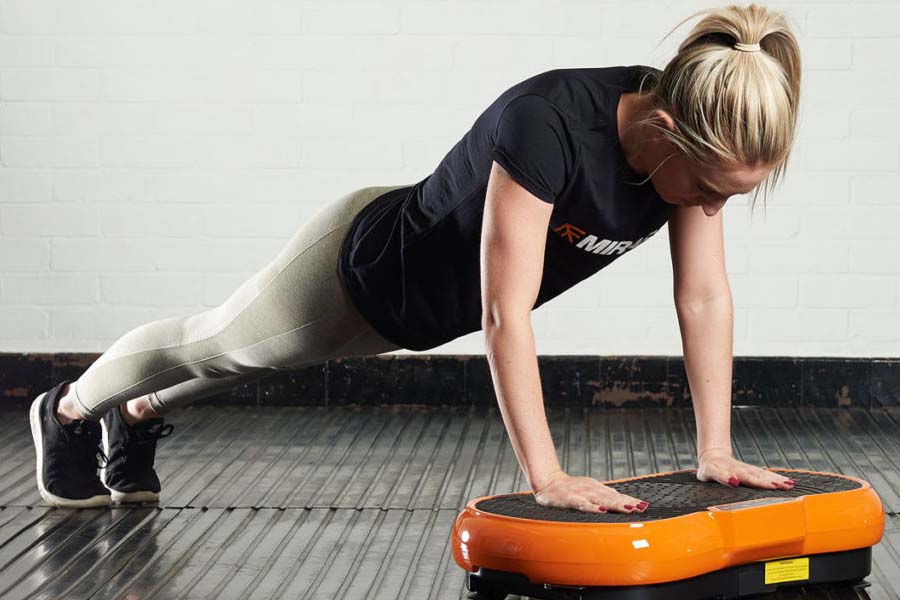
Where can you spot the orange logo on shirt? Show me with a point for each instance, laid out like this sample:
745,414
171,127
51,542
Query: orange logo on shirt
569,231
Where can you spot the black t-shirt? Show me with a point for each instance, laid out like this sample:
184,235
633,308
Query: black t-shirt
410,261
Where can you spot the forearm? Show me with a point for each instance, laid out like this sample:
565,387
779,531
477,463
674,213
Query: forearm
513,361
707,334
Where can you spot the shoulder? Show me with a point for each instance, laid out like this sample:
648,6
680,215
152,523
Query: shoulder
529,108
579,95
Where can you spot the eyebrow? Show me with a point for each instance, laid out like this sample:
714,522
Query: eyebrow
718,191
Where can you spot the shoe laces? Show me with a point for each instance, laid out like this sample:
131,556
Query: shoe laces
139,445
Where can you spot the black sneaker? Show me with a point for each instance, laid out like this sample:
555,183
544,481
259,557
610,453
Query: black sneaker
67,456
130,451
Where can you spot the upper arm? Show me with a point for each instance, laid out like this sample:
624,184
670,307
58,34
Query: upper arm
697,249
513,236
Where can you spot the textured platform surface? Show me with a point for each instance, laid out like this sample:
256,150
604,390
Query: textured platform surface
669,495
345,502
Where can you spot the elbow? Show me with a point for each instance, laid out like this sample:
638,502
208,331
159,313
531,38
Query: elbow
698,306
496,321
490,325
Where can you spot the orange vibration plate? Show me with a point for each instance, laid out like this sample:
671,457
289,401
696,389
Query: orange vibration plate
691,529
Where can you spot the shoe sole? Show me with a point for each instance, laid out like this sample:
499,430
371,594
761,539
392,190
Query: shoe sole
117,496
34,415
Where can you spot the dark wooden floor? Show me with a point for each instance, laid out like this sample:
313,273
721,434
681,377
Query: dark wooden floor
346,502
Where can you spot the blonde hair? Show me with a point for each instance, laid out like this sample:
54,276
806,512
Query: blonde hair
731,105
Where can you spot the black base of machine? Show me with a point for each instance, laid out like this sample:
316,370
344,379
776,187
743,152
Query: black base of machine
848,566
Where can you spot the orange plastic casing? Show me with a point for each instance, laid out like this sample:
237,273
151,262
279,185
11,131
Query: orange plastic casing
647,552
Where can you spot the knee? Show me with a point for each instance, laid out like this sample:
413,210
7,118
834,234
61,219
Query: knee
225,366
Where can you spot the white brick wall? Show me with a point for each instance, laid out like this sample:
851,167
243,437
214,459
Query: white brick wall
157,153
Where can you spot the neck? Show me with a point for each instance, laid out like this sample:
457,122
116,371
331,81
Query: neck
632,138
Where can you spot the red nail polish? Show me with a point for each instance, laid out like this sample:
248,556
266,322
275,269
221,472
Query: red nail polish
733,481
602,509
643,505
628,507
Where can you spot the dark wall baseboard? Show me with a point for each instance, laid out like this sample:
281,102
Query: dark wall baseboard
568,380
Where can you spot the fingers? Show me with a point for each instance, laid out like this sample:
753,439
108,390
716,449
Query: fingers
595,497
614,501
585,505
621,504
757,478
625,504
735,473
764,478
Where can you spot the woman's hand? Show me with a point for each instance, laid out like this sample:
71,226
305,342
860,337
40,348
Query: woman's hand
585,494
721,466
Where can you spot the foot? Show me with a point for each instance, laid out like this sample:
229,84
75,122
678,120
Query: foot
67,456
65,409
131,451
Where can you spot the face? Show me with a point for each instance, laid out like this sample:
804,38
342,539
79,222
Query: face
682,182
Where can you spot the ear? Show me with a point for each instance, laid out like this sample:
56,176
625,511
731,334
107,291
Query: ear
667,120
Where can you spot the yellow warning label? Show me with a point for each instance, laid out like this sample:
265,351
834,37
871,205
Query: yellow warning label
790,569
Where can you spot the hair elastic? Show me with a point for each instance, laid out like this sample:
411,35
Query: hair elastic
746,47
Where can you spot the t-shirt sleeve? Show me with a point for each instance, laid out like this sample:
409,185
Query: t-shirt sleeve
533,143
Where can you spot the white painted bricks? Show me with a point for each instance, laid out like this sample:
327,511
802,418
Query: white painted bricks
156,154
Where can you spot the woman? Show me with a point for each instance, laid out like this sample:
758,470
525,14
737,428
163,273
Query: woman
548,187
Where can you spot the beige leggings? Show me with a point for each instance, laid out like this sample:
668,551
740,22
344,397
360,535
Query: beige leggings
292,313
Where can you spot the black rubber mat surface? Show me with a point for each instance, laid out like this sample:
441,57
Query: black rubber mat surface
315,503
669,496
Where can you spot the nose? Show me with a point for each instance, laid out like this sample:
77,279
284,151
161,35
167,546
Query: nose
710,209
